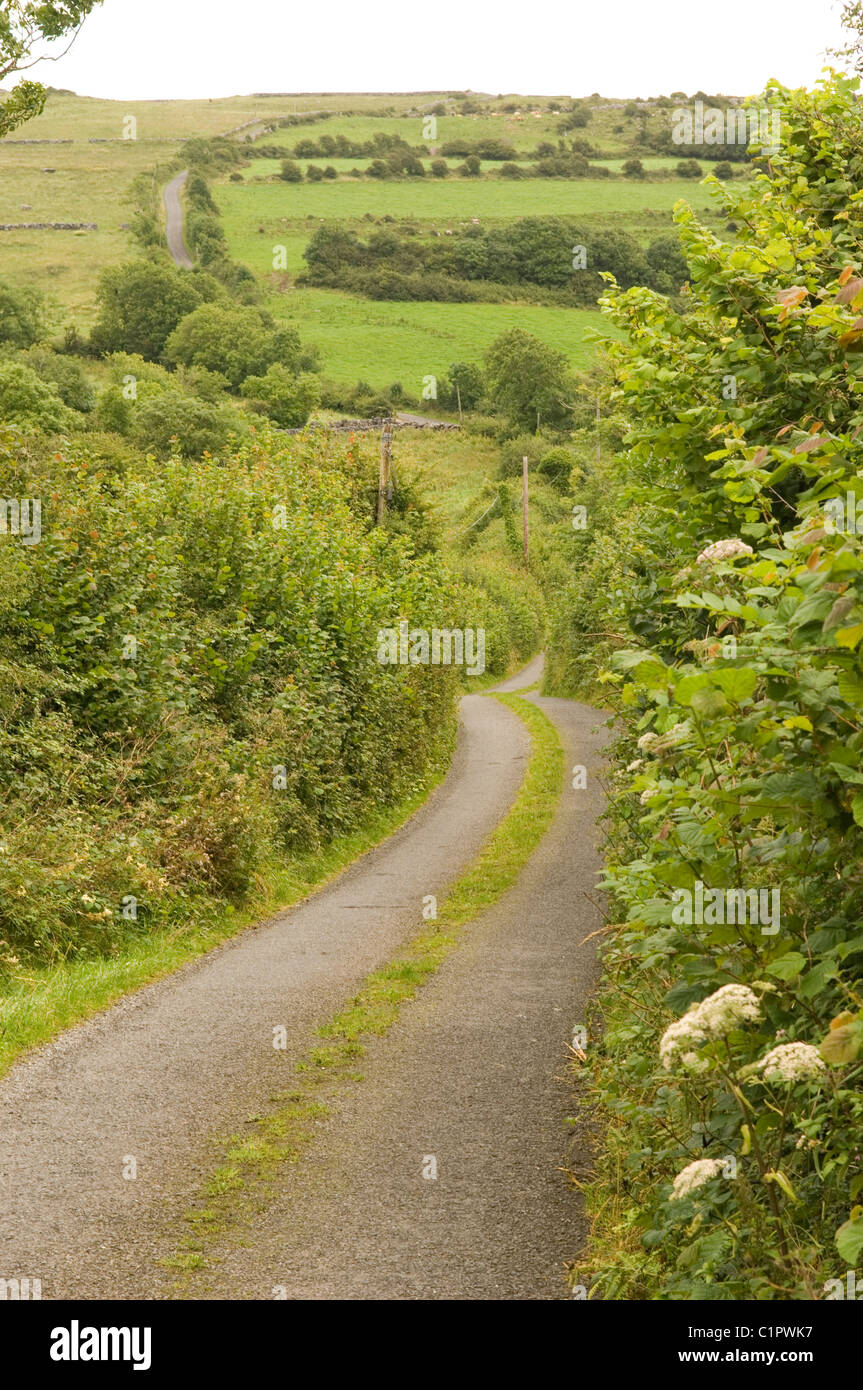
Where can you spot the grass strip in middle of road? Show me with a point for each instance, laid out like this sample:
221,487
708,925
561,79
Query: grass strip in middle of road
237,1187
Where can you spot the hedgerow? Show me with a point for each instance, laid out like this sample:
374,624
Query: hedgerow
729,626
189,683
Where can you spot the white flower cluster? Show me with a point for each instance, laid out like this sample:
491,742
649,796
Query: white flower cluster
723,550
695,1175
715,1016
652,742
789,1062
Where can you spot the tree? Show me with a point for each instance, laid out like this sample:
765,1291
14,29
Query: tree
236,341
852,20
633,169
464,384
25,25
527,381
666,259
141,303
576,119
22,320
439,168
331,248
291,171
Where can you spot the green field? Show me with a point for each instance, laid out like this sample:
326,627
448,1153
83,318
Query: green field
90,183
522,132
382,342
379,342
455,198
82,118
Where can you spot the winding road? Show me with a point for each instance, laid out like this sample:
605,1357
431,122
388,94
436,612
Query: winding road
472,1074
174,222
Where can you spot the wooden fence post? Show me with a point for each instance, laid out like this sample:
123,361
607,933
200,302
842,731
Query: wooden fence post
384,475
524,509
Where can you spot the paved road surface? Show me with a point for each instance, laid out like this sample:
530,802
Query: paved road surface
473,1077
174,221
470,1075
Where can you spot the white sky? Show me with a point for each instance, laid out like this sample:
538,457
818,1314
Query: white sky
138,49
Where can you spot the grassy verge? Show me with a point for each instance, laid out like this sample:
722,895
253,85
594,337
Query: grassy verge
38,1005
250,1161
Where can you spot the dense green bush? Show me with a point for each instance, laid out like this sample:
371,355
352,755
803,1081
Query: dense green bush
171,421
286,397
361,400
543,259
558,465
22,315
25,399
530,446
189,681
65,374
724,572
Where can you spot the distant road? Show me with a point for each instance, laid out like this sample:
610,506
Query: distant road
174,222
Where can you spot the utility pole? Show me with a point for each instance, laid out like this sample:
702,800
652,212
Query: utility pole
384,475
524,510
458,397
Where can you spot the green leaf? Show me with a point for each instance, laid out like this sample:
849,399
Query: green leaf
798,721
850,688
815,980
787,967
843,1044
848,774
737,682
849,1240
849,636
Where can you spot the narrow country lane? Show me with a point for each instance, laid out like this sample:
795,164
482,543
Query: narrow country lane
189,1057
441,1175
174,222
